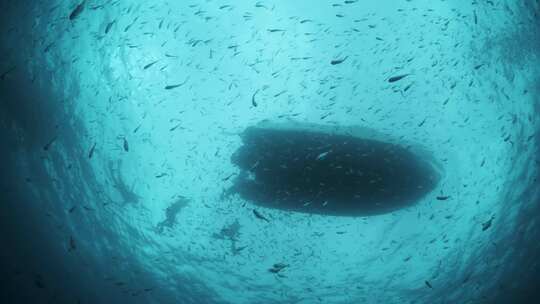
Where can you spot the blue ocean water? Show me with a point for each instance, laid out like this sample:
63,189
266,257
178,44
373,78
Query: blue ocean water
269,152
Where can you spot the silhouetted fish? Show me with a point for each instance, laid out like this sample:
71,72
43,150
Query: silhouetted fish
338,61
77,11
174,86
126,145
253,102
487,225
150,65
3,76
109,26
48,145
397,78
91,152
72,245
260,216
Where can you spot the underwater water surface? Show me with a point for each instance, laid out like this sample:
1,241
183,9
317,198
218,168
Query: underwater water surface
269,151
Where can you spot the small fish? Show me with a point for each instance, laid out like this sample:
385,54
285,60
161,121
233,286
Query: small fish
72,245
487,225
478,66
428,284
237,250
253,102
137,128
326,115
280,93
126,145
175,127
109,26
397,78
323,155
170,87
260,216
442,197
466,279
150,65
72,209
338,61
48,145
48,47
77,11
228,177
259,4
174,86
130,25
276,268
91,152
3,76
275,30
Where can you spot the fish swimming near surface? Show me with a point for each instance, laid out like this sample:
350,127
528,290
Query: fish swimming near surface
253,102
260,216
126,145
276,268
338,61
91,152
109,26
397,78
72,245
3,76
48,145
487,225
174,86
77,11
442,197
150,64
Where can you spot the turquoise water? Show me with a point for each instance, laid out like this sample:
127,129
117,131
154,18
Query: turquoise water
119,120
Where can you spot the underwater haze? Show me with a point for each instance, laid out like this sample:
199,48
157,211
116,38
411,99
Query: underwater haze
273,151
